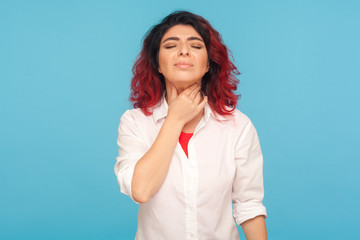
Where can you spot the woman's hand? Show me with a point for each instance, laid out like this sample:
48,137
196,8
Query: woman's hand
185,106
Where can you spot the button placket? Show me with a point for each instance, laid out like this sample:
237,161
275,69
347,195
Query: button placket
190,175
193,188
190,192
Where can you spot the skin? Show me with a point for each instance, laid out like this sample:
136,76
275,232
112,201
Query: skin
255,228
183,61
182,44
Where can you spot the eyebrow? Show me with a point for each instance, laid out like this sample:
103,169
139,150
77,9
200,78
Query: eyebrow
177,39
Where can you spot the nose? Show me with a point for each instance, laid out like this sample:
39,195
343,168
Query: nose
184,50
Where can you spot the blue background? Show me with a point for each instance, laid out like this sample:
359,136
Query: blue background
65,70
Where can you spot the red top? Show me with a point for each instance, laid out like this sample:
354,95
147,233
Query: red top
184,140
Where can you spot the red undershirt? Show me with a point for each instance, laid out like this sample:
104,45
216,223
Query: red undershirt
184,140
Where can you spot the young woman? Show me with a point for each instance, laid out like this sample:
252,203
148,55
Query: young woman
186,154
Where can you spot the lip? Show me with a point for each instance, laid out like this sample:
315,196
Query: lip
183,64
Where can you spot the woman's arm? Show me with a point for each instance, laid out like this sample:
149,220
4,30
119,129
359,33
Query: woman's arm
150,171
255,228
248,187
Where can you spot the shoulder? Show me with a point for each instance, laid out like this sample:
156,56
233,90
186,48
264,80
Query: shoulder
134,118
245,132
241,124
135,113
239,119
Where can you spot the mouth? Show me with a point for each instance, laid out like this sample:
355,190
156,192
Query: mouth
183,65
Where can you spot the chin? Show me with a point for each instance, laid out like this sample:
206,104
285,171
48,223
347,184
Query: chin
186,81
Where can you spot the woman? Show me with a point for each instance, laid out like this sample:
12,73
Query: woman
186,155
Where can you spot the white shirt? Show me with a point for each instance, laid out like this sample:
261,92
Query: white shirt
224,169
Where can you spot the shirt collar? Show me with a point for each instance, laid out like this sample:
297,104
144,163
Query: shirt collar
209,112
160,111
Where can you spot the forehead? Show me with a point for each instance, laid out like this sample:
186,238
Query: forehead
181,31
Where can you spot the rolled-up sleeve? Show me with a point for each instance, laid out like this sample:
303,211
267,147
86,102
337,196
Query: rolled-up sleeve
131,149
248,188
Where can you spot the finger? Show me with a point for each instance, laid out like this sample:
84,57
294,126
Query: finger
202,104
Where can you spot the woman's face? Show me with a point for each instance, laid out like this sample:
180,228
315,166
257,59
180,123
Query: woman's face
183,58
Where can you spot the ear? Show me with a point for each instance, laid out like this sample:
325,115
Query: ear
159,70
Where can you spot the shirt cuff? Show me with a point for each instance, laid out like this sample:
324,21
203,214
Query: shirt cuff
248,210
124,178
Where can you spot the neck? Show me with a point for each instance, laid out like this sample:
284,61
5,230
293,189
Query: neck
178,90
180,86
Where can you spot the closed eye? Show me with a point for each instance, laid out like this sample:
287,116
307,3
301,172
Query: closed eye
172,46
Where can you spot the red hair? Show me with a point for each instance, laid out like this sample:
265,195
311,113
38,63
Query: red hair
218,84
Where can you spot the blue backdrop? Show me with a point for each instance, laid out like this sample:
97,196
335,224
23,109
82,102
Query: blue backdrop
65,70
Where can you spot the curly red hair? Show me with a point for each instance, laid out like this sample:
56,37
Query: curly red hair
218,84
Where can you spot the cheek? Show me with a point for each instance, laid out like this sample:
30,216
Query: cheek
204,61
163,61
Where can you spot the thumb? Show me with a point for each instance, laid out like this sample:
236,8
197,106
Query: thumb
202,104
